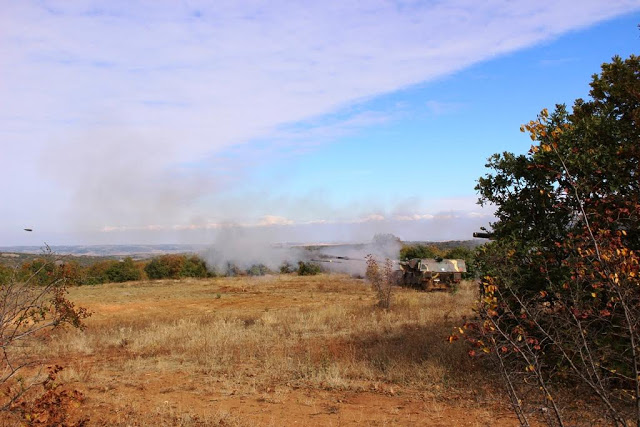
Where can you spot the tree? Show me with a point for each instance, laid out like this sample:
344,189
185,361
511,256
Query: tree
408,252
308,268
165,266
30,307
123,271
176,266
194,266
561,290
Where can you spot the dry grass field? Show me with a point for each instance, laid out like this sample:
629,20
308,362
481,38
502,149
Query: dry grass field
272,350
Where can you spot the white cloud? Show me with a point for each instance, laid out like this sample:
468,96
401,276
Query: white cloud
414,217
269,220
114,98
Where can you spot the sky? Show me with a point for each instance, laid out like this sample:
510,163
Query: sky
178,122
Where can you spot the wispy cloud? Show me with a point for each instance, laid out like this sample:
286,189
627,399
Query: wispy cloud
117,103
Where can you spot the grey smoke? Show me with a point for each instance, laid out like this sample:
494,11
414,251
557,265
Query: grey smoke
244,248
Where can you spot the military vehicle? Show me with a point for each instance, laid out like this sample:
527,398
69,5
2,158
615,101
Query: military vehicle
435,274
483,235
431,274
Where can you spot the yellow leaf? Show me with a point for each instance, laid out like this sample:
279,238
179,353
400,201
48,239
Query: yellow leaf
593,294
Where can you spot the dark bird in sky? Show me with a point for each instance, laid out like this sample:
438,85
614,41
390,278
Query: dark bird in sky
28,229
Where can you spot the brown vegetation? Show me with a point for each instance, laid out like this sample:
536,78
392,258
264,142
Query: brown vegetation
271,350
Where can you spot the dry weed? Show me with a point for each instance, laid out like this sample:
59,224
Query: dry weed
263,334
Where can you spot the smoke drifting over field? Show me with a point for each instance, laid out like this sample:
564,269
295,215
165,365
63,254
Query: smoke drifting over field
243,249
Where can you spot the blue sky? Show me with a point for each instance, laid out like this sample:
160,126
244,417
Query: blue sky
153,122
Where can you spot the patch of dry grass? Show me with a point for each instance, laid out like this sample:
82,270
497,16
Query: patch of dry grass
262,335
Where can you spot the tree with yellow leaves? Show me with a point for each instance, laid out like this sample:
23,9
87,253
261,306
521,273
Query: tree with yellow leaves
560,305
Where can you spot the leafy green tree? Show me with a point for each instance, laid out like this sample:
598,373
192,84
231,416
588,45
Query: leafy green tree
308,268
561,299
96,273
6,274
43,270
286,268
194,266
165,266
176,266
123,271
408,252
258,270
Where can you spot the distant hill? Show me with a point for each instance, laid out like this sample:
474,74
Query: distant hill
89,254
136,251
470,244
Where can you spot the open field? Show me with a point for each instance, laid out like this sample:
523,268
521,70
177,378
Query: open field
272,350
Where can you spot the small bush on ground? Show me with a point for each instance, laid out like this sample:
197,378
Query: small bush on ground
41,271
258,270
123,271
176,266
308,268
194,266
31,306
97,272
286,268
232,270
6,274
382,280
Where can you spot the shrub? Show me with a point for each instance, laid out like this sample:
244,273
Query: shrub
123,271
176,266
6,274
561,280
97,272
258,270
408,252
233,270
165,267
382,280
194,266
308,268
286,268
41,271
30,306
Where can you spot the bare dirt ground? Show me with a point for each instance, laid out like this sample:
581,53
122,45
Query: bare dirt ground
273,350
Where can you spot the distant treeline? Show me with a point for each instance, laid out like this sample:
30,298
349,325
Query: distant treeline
93,271
44,270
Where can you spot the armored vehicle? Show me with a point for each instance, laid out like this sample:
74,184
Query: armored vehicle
431,274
